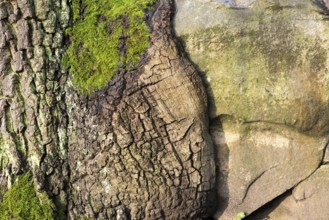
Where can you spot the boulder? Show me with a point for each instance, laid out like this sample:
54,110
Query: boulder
259,161
309,200
265,64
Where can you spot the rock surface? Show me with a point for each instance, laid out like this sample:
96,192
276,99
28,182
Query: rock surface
259,162
266,66
308,200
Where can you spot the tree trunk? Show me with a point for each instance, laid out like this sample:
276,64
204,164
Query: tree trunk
33,113
137,149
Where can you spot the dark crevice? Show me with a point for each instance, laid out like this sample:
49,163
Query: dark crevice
263,212
324,154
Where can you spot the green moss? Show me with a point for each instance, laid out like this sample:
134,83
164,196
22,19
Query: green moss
22,202
240,216
107,36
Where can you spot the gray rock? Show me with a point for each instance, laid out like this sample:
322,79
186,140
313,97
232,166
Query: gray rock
309,200
326,155
260,156
265,63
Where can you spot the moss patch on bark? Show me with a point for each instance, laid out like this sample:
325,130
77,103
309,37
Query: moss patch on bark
21,201
106,37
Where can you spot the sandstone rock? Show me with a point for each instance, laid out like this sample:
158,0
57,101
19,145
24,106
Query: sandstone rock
309,200
265,63
234,3
260,161
326,156
312,195
258,60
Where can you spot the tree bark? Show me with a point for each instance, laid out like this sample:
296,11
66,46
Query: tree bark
34,120
137,149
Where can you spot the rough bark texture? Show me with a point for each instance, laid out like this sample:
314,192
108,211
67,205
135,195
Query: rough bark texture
139,149
134,149
33,114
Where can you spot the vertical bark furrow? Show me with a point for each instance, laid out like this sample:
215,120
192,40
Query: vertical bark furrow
33,112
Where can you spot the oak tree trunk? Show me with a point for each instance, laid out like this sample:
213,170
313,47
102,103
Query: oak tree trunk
137,149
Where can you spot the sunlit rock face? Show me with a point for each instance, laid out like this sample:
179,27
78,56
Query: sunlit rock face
307,200
266,66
